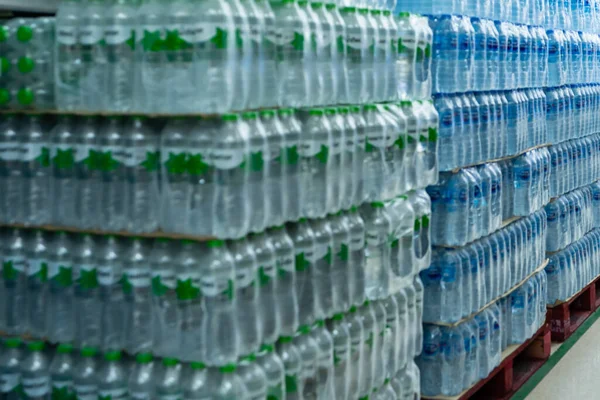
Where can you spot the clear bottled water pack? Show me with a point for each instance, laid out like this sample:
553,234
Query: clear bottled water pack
571,216
572,268
456,357
526,182
37,371
573,164
473,202
27,63
481,126
218,177
115,293
461,281
466,205
572,112
173,57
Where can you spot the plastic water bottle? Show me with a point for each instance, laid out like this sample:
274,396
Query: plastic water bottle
218,290
292,364
231,177
93,68
169,379
136,283
88,174
114,193
88,311
61,370
68,55
85,379
430,361
273,368
295,62
142,163
112,377
36,172
377,228
249,322
110,269
141,377
64,189
11,170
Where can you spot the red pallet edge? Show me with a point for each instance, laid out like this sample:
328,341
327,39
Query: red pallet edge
566,317
514,370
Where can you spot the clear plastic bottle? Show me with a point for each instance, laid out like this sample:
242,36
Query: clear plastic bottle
35,374
62,369
168,379
377,253
273,368
142,177
63,185
85,374
68,55
175,181
218,291
112,377
141,377
113,188
247,307
93,68
231,174
36,172
137,290
61,295
189,303
165,335
110,262
295,58
88,175
88,316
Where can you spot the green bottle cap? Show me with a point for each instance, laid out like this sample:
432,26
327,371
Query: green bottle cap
330,6
216,243
228,369
370,107
64,348
112,355
229,117
319,323
249,115
304,329
404,14
317,5
330,111
267,348
25,65
316,111
267,114
88,352
349,9
24,33
377,204
36,345
170,362
375,12
363,10
143,358
338,317
12,343
285,339
4,97
25,97
197,365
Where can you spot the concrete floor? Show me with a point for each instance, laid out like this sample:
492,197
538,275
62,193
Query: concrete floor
576,374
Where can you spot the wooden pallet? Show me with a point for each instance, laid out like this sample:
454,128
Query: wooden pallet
565,317
519,363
